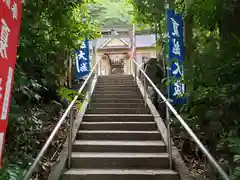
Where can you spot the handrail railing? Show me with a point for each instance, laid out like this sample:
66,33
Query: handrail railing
183,123
40,155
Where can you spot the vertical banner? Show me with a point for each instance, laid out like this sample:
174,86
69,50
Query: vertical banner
82,60
176,57
10,20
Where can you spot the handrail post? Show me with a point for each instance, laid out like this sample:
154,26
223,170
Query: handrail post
135,72
89,91
98,69
169,137
71,120
96,72
145,91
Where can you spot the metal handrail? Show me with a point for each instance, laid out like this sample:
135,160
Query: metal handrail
40,155
183,123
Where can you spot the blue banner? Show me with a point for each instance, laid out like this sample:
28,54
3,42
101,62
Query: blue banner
82,60
176,57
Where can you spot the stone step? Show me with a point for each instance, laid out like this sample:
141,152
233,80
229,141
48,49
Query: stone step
118,135
119,83
115,77
120,174
120,160
122,93
116,83
117,88
126,126
119,146
118,111
122,96
115,100
117,105
101,85
116,91
117,117
116,80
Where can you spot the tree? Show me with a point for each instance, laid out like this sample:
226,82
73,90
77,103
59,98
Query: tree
212,68
49,33
110,12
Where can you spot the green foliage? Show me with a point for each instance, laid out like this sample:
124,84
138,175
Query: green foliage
13,172
69,95
50,31
110,12
212,72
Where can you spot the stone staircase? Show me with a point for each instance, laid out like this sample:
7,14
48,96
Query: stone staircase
118,138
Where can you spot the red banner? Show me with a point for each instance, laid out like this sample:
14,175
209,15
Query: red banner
10,20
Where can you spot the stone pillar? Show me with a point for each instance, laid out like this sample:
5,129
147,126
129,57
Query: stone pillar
105,66
127,66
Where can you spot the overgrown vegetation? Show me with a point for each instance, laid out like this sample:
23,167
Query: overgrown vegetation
212,67
50,31
111,12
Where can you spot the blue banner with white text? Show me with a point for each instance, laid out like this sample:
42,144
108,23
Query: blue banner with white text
176,57
82,60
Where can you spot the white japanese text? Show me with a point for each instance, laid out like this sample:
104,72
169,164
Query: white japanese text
14,11
175,28
83,67
176,48
83,45
7,2
4,39
177,70
179,88
7,94
1,88
81,55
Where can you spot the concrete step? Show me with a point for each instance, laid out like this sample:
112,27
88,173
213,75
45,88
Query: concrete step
126,126
122,96
119,83
103,85
119,146
128,93
117,80
117,77
116,83
120,160
118,135
126,78
117,117
117,105
115,100
119,91
120,174
117,88
117,111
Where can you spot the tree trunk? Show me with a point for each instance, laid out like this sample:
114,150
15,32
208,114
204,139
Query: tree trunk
189,50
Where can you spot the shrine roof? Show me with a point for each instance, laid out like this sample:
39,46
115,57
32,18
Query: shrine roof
141,41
